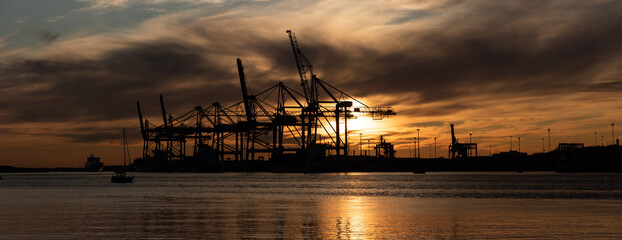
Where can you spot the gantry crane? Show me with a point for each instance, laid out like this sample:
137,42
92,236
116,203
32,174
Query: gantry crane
460,150
274,122
336,106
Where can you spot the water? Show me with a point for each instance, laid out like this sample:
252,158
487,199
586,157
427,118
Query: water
316,206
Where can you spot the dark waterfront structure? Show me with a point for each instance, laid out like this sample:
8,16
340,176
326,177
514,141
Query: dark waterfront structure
461,150
573,157
277,127
567,157
384,149
282,130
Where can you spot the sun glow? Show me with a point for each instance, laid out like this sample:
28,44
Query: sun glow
360,124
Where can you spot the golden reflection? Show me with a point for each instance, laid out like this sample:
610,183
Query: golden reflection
371,217
350,217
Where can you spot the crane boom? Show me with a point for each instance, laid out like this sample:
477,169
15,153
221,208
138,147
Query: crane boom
140,118
247,99
305,69
163,111
453,137
377,113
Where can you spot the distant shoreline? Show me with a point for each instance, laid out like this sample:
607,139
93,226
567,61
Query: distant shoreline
11,169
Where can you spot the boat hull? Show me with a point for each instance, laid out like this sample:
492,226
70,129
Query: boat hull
117,179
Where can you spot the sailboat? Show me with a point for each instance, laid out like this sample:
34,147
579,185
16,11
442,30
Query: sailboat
121,176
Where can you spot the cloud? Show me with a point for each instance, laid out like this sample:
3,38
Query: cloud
508,63
493,47
104,4
107,88
47,36
122,4
7,36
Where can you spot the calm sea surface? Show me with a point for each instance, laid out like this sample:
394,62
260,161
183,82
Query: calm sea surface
315,206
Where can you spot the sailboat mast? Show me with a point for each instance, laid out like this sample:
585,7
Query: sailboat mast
127,147
124,146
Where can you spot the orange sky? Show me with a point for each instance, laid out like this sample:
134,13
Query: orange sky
70,73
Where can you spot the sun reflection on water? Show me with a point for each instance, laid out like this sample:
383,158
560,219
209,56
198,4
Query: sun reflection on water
349,216
322,206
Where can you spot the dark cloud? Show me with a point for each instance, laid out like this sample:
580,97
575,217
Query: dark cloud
107,88
47,36
490,50
427,124
445,108
106,135
611,85
495,48
410,15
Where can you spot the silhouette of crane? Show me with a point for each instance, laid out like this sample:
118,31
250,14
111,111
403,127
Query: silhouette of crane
460,150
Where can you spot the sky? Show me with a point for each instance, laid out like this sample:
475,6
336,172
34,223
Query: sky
71,71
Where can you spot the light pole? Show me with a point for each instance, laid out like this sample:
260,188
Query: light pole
360,144
415,146
549,130
518,144
470,133
368,147
612,135
602,140
434,147
418,145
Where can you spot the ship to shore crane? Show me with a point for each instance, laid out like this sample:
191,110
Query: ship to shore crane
275,123
338,105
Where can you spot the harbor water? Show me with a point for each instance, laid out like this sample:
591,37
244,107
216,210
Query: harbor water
311,206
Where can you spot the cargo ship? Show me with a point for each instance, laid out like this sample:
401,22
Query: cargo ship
93,164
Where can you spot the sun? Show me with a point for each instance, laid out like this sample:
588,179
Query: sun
362,124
